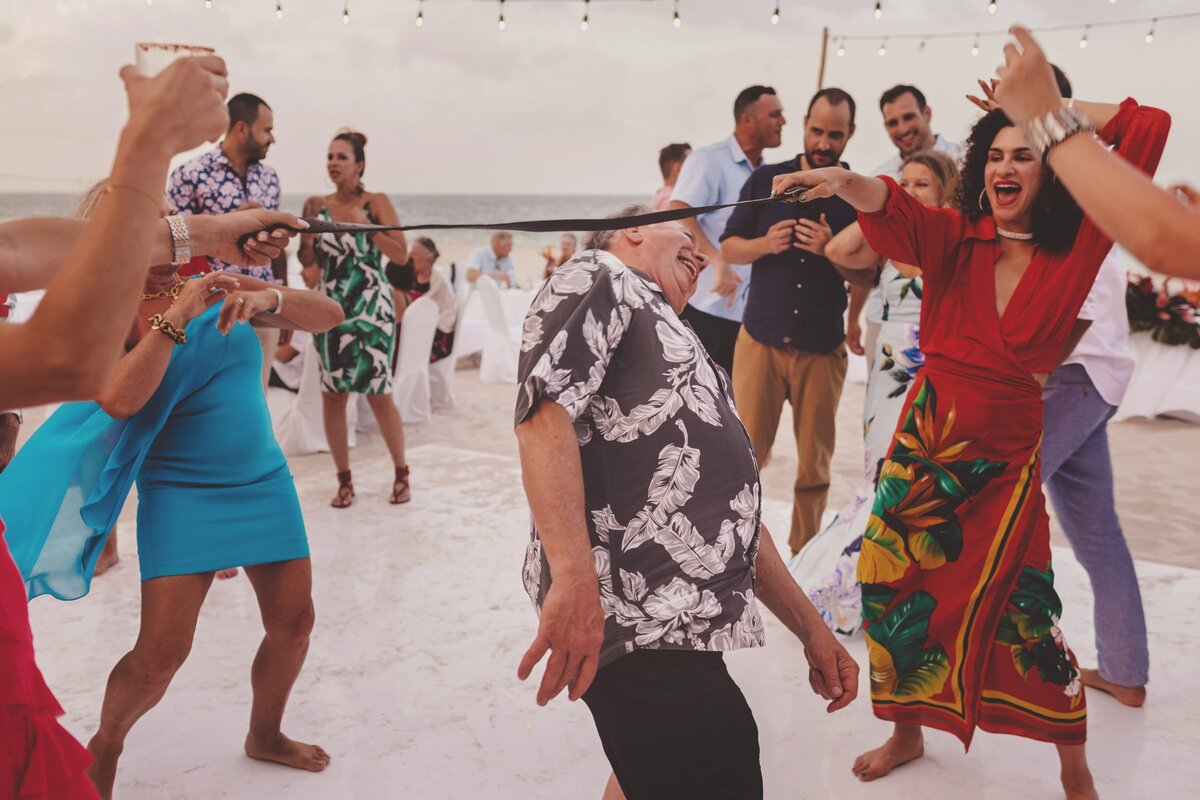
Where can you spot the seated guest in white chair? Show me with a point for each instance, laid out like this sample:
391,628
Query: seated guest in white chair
418,278
494,261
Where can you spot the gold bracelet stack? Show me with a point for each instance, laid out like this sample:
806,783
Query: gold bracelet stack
158,323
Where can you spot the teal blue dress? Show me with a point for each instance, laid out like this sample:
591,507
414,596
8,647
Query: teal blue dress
214,489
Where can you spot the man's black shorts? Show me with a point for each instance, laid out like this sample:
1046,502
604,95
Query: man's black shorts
675,725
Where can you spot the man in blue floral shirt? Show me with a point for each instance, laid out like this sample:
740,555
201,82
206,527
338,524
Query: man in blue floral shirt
233,177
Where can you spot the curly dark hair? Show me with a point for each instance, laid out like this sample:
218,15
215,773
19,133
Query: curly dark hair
1056,215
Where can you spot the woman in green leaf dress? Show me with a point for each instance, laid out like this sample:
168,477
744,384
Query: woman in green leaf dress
356,356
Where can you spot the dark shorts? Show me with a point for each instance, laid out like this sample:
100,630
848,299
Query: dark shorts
717,334
675,725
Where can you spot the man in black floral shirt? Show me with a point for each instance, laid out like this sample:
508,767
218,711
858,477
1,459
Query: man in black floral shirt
646,558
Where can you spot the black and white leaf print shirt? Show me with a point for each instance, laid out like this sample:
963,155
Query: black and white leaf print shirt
670,482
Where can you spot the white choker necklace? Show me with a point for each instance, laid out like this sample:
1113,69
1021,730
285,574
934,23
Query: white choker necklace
1020,237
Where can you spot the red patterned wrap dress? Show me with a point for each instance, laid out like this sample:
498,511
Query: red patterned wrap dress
959,607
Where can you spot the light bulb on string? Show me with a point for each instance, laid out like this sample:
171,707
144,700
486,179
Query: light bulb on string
1083,42
583,26
841,51
345,12
991,6
775,15
675,20
500,23
1150,35
207,4
975,46
279,10
149,2
421,13
878,9
921,47
883,47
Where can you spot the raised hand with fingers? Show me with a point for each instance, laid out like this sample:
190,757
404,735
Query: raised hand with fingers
180,108
222,235
988,102
571,629
725,281
1027,88
241,306
779,237
813,184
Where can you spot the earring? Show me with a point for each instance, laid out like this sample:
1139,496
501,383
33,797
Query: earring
982,194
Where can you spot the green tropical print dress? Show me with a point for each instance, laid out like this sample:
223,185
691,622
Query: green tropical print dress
356,356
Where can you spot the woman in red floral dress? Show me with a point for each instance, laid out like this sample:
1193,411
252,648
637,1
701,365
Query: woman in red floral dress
959,608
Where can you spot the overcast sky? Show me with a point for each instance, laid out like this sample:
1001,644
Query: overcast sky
457,106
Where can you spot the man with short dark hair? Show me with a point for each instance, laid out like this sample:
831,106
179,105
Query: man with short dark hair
670,162
714,175
233,177
791,345
647,557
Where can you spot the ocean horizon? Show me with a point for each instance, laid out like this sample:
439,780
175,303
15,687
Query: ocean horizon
412,209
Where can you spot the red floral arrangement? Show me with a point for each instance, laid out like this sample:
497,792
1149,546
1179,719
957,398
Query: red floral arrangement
1170,319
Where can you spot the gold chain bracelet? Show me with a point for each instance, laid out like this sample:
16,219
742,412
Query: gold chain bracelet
158,323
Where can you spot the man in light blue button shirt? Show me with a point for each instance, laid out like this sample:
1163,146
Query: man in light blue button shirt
714,175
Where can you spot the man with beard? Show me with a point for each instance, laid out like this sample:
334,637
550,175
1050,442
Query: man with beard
792,342
233,177
712,176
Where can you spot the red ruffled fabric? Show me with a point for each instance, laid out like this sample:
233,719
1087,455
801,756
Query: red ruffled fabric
39,760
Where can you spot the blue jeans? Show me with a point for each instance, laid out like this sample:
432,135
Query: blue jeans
1077,474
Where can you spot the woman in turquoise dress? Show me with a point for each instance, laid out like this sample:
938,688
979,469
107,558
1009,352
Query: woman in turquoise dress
826,566
186,418
356,356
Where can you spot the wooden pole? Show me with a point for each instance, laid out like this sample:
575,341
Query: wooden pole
824,55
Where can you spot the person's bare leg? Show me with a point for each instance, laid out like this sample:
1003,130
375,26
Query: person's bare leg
284,591
1133,696
392,428
905,744
337,434
612,790
170,607
109,557
1076,777
226,574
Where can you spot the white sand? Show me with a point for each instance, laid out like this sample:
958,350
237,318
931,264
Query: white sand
421,620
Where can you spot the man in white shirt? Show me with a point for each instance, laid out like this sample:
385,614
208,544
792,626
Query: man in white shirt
714,175
1080,397
494,261
908,120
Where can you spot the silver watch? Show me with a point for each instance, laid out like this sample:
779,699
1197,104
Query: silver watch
1044,133
181,240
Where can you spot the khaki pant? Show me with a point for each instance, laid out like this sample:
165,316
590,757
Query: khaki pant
269,339
763,379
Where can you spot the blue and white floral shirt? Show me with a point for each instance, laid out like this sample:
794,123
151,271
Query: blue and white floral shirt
670,481
208,184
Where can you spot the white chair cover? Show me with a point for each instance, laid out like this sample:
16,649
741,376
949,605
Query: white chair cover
441,373
1165,383
502,349
301,428
410,385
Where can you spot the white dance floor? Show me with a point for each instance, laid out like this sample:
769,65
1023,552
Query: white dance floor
411,681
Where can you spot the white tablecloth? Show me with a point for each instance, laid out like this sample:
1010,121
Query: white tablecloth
1166,381
474,327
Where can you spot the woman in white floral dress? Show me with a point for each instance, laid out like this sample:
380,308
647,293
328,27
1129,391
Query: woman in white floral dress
826,566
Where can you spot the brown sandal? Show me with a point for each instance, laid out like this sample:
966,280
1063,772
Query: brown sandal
400,493
345,492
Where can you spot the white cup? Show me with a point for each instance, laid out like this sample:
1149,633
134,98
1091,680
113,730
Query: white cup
152,58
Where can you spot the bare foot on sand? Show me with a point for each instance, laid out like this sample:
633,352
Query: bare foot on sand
288,752
102,772
900,748
226,574
1134,696
109,557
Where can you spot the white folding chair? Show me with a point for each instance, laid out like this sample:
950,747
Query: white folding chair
502,349
441,373
301,428
410,385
